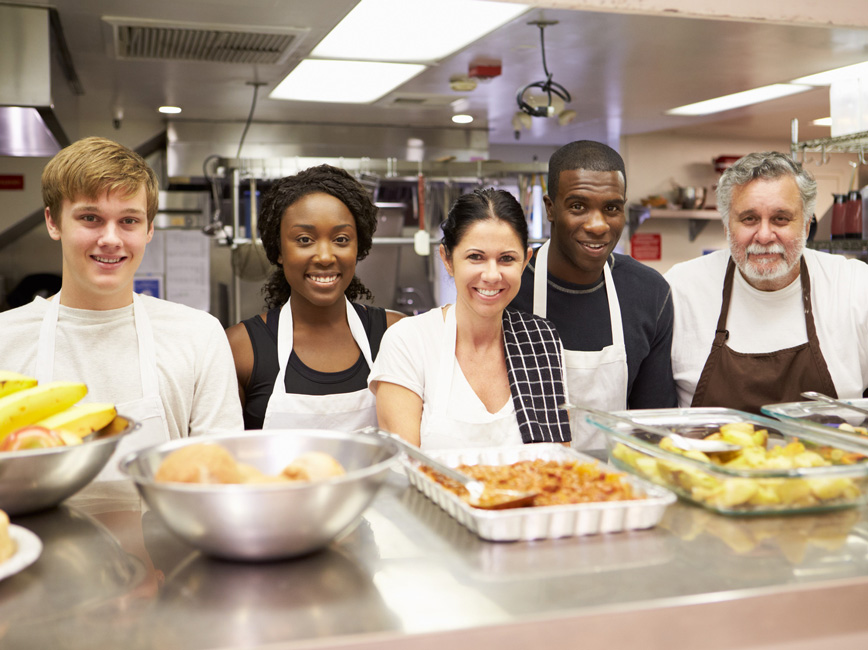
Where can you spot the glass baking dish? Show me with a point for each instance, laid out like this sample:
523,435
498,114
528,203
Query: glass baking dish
826,419
783,475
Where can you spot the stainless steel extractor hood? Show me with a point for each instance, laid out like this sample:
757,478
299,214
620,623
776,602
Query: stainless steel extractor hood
27,123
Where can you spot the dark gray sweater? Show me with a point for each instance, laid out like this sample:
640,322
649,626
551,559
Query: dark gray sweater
581,315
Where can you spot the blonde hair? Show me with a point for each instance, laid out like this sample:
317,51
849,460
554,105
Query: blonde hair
95,166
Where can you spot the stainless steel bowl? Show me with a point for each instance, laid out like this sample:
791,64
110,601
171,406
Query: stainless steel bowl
272,520
37,479
691,198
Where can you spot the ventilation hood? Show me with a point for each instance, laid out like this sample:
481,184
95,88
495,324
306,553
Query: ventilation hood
27,123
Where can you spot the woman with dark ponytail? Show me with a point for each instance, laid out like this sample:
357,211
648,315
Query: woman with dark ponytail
475,373
304,362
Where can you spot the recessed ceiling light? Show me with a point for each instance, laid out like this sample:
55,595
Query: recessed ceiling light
421,31
349,82
826,78
736,100
823,121
169,110
462,118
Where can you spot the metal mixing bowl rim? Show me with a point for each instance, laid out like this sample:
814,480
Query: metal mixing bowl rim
62,449
350,476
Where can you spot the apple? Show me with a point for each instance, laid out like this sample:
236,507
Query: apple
31,437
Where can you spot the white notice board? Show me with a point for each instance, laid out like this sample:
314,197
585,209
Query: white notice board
183,258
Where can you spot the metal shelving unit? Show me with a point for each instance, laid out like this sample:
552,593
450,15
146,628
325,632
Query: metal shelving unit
855,143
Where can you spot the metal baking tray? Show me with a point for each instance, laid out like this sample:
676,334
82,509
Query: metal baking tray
545,522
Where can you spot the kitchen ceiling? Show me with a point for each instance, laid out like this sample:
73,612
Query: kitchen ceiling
622,70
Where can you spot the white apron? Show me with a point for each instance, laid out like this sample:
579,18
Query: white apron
147,411
597,378
443,427
341,411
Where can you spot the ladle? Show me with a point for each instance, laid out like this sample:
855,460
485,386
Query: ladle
481,495
820,397
682,442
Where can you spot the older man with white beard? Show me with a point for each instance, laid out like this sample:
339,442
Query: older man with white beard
768,319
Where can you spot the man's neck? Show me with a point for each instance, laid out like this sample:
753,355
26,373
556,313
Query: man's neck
74,300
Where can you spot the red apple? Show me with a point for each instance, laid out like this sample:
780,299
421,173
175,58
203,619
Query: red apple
32,437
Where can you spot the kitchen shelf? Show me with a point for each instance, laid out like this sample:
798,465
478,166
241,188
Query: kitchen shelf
839,245
696,219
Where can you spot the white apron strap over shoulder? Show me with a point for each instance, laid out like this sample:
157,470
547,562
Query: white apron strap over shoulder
597,378
342,411
445,428
148,410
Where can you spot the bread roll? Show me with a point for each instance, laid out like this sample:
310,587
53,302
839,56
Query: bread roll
199,463
7,546
313,466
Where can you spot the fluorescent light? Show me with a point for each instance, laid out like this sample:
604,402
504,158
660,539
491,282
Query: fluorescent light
826,78
736,100
348,82
417,30
169,110
462,119
823,121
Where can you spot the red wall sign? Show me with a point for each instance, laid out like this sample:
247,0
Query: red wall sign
645,247
11,181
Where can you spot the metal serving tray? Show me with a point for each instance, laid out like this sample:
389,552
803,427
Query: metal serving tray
545,522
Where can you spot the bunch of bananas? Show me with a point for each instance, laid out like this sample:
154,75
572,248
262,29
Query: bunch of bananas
34,416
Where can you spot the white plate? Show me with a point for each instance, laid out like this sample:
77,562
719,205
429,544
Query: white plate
28,549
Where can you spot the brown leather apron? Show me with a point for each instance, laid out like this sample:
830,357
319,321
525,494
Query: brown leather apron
747,381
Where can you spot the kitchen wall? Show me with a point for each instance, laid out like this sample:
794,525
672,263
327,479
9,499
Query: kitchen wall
656,162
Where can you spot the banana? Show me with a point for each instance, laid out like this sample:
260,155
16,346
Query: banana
82,419
31,405
12,382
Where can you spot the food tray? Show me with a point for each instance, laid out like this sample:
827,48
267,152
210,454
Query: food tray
547,522
823,418
736,490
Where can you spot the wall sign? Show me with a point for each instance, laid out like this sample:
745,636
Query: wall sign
11,181
645,247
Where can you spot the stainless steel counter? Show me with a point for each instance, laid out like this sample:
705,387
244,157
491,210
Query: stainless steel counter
112,576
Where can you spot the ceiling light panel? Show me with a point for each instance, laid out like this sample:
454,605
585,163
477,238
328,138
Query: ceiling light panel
838,74
737,100
413,30
349,82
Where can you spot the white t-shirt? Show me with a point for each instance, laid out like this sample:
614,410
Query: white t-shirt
195,369
766,321
411,355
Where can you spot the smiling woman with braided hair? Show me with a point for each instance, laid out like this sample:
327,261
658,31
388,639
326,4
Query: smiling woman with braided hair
304,363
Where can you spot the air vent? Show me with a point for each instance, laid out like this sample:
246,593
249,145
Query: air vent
157,40
419,100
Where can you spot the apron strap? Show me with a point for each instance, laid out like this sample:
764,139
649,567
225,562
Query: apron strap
285,341
540,280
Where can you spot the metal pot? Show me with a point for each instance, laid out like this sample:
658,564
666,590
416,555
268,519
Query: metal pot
691,198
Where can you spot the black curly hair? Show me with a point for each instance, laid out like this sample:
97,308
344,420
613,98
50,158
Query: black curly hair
285,192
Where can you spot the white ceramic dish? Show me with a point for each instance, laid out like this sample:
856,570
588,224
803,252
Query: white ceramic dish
29,547
547,522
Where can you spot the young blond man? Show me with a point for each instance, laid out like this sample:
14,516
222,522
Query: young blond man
165,365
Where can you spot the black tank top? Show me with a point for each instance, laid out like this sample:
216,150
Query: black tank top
300,379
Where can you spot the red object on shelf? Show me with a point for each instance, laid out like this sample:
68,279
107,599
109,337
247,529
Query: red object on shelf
722,163
645,247
484,70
